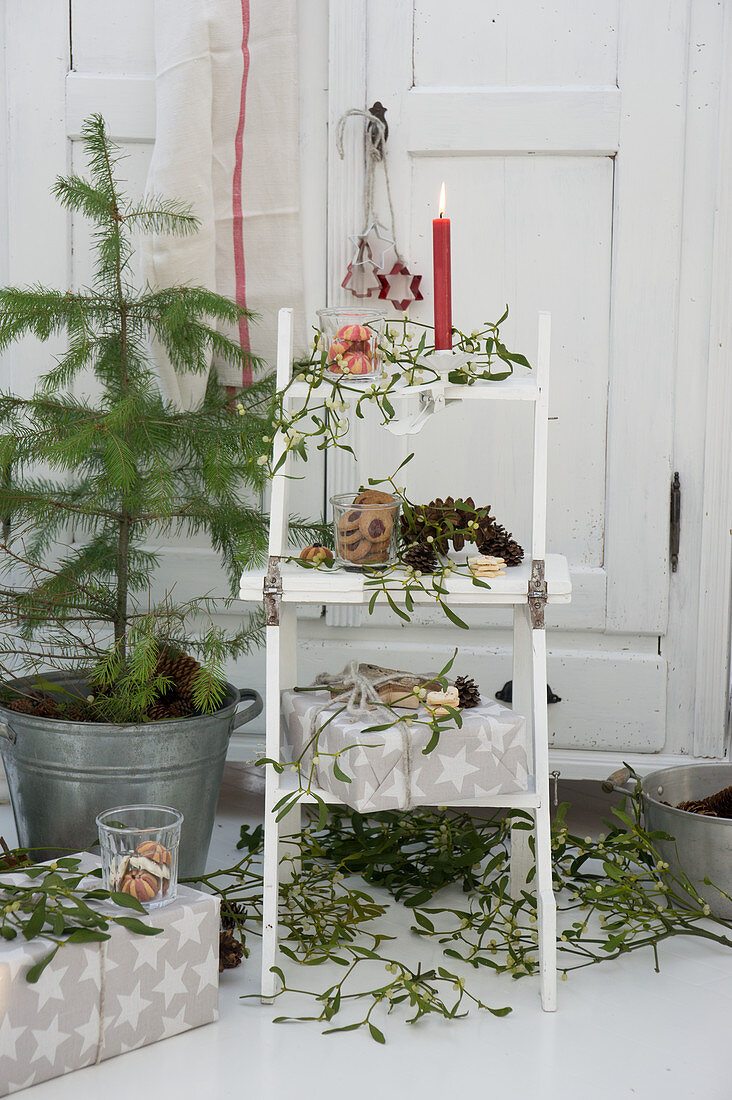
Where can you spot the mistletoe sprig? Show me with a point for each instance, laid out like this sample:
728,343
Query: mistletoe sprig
53,901
616,895
406,349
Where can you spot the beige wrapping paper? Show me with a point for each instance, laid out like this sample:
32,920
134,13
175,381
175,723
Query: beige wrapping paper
489,755
147,988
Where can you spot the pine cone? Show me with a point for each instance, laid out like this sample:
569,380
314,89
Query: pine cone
421,556
230,950
230,911
169,708
714,805
468,692
180,668
441,521
494,539
34,705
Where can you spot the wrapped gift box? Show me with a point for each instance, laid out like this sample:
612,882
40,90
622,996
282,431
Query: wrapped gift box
144,988
488,755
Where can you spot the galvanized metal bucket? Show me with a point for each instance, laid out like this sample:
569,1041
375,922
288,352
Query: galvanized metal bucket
62,774
702,846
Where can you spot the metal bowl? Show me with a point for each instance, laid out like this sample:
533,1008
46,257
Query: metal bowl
702,846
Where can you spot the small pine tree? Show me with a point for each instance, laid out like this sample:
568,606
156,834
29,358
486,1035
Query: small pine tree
122,466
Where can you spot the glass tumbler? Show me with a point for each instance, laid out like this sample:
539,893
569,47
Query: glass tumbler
365,529
351,340
140,852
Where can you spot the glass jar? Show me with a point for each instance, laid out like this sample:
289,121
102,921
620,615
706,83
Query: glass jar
365,529
351,339
139,847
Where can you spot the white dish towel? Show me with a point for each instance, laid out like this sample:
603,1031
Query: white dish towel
227,130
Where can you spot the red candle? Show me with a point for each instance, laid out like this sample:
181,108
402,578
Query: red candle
442,277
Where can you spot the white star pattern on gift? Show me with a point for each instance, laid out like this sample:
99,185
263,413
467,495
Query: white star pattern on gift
16,1086
48,1040
148,948
395,788
500,731
92,970
455,769
48,986
173,1024
189,926
207,970
132,1005
172,983
9,1037
89,1033
368,790
496,789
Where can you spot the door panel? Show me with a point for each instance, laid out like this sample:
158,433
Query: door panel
518,42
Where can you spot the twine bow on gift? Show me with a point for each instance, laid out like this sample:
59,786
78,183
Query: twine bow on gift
358,690
359,695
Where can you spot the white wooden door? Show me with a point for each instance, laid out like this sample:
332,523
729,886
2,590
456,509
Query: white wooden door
564,133
579,144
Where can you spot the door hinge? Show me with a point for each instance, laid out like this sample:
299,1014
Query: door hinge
675,523
537,594
272,592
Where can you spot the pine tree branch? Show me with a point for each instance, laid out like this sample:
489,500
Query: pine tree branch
129,467
157,214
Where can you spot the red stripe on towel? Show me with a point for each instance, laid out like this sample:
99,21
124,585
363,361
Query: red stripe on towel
239,266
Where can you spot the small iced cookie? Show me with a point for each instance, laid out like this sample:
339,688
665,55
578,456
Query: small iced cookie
485,565
337,348
355,362
353,333
349,535
376,525
348,543
377,556
359,553
439,701
374,496
486,561
349,521
316,553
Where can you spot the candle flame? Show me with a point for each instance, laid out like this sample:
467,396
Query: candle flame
442,201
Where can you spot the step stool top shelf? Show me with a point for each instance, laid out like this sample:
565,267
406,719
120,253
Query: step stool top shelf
302,585
515,388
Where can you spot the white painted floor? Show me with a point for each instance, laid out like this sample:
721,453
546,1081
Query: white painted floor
621,1031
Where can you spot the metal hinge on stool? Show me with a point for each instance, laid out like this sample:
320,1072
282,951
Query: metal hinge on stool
537,594
272,592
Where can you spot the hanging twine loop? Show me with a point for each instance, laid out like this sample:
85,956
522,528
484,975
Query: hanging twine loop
374,154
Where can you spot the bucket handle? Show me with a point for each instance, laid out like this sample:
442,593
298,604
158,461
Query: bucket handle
7,733
618,781
252,710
